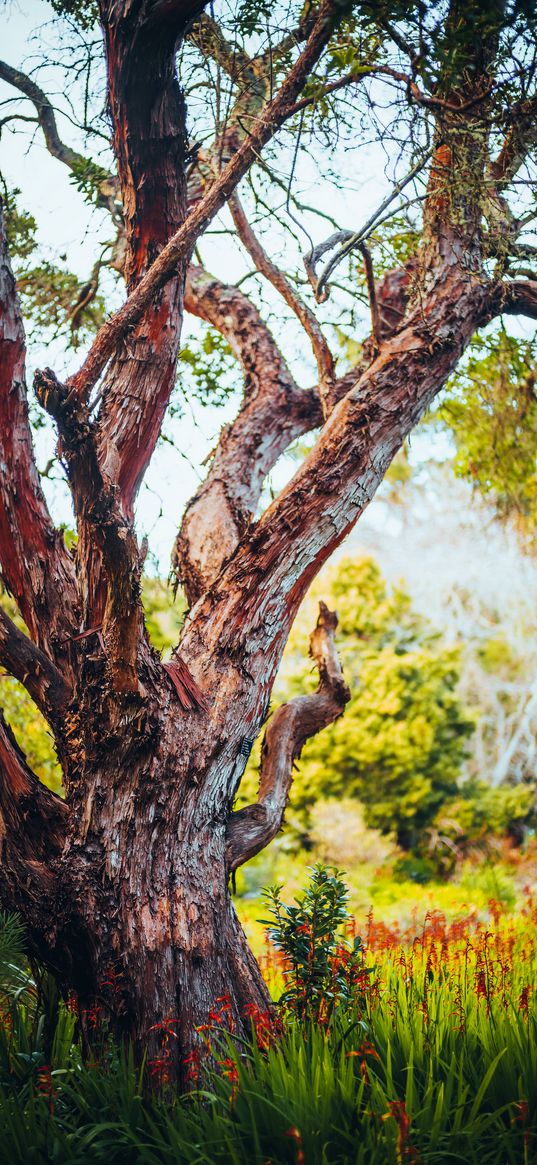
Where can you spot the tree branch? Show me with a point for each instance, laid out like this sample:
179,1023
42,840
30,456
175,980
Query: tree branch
208,37
519,297
321,350
252,604
27,663
101,524
348,240
274,412
45,113
180,246
521,135
32,835
251,829
46,117
35,564
371,292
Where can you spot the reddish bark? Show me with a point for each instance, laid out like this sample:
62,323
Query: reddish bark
36,566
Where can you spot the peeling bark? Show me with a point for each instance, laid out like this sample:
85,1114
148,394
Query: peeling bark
102,528
150,145
252,828
36,567
27,663
275,411
32,833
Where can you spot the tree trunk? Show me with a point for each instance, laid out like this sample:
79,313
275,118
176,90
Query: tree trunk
134,909
145,927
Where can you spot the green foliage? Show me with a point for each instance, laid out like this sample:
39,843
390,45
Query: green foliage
209,367
31,731
51,295
401,743
88,177
12,952
84,13
163,615
25,719
321,967
20,226
491,411
433,1059
476,819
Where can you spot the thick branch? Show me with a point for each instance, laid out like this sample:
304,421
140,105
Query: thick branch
253,602
275,411
35,564
32,834
180,246
519,297
101,524
251,829
521,136
150,144
27,663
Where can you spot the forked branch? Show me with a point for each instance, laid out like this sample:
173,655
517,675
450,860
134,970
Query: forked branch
101,523
251,829
274,412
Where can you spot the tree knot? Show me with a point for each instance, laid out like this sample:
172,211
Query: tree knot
50,392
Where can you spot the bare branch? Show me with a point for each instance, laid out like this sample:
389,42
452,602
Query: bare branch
45,113
46,117
519,139
208,37
370,279
413,91
323,355
518,297
350,240
251,829
274,412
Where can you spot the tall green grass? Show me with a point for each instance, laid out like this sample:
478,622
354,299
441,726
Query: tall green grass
433,1060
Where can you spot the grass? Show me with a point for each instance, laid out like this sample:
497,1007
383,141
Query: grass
433,1060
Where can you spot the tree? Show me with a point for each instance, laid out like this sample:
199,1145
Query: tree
400,747
130,873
